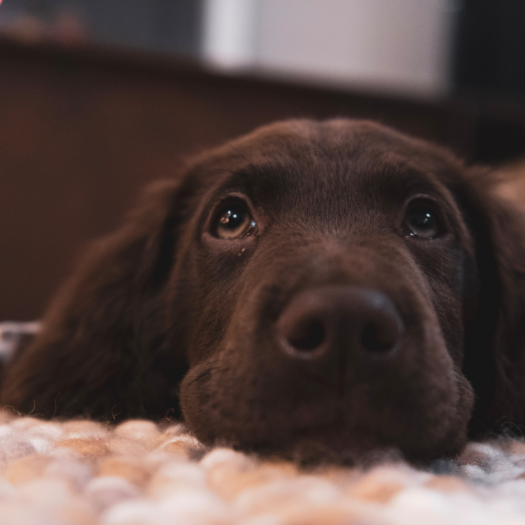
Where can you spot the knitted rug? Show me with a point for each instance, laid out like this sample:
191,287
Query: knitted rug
81,472
138,473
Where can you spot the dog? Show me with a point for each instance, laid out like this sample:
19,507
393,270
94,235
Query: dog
312,290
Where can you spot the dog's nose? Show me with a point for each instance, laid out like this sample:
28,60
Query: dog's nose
355,321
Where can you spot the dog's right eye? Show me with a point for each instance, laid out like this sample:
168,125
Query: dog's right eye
233,221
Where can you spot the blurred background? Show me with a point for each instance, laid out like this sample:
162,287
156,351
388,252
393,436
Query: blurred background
417,47
98,97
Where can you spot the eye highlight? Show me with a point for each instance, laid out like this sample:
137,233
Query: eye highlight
422,221
233,221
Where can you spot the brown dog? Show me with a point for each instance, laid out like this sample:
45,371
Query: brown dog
324,289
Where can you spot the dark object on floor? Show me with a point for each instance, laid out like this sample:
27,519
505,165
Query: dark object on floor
321,290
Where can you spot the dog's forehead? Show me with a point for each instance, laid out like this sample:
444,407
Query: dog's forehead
328,156
338,139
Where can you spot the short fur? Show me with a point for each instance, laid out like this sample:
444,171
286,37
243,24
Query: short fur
163,318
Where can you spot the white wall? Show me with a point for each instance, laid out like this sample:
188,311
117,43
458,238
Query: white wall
391,45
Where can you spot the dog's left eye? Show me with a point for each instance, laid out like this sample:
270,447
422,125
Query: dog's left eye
233,221
421,221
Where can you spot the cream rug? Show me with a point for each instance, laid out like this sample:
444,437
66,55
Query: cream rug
81,472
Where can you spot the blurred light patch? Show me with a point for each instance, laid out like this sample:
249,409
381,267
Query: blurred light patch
230,28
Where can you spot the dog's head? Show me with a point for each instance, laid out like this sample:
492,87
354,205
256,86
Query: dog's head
325,289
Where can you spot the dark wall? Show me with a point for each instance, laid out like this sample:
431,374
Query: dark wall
489,56
82,130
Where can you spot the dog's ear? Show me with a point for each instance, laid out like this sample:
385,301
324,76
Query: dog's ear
100,349
495,336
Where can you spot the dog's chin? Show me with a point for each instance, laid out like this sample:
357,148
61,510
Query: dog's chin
332,446
314,452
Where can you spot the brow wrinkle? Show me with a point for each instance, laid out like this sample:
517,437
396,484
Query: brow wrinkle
239,152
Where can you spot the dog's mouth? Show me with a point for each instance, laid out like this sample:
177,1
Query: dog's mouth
334,444
306,422
329,444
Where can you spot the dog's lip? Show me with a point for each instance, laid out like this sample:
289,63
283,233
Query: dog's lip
337,437
333,424
334,427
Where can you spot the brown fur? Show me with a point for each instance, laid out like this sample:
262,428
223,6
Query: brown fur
163,317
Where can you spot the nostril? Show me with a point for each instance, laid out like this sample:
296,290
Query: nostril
307,336
374,340
382,328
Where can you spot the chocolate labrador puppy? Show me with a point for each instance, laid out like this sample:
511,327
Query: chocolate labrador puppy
315,289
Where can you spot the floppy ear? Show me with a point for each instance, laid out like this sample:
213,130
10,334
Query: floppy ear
100,352
495,337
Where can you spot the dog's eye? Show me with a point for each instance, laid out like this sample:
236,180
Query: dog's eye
421,221
233,221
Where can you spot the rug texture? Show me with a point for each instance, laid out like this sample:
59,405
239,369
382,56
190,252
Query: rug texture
81,472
